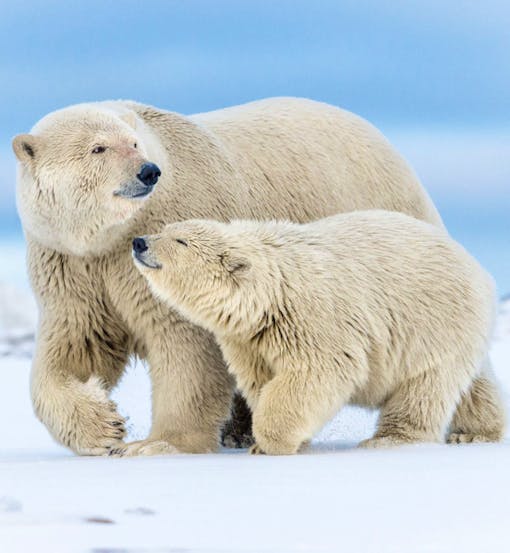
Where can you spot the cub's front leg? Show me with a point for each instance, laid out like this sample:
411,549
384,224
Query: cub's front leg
295,405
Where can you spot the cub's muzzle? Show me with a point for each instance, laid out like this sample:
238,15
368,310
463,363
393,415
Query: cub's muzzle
139,245
143,255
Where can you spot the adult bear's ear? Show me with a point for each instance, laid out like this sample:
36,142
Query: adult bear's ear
235,263
26,147
130,118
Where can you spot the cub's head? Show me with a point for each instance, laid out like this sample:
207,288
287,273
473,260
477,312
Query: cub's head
218,275
84,172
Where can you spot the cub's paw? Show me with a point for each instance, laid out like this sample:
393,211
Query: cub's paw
94,426
144,448
255,449
467,438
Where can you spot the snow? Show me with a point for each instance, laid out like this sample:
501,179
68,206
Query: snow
425,498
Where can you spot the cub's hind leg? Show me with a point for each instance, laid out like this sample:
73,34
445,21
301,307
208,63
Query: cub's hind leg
420,409
480,415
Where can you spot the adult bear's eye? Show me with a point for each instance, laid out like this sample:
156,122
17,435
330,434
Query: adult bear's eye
181,241
135,145
98,149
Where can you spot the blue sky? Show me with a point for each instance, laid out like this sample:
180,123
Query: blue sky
434,76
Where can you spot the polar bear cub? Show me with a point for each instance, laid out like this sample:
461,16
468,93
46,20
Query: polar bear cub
370,308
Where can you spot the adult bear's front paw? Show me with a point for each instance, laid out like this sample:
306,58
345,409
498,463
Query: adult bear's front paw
93,426
145,448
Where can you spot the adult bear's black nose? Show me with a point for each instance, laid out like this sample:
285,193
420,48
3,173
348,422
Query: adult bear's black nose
149,174
139,245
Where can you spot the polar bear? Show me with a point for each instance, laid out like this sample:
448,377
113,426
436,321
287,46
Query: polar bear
93,176
372,308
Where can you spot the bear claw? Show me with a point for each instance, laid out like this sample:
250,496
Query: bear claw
117,452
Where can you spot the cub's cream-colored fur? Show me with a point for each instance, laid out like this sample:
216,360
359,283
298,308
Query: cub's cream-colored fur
372,308
278,158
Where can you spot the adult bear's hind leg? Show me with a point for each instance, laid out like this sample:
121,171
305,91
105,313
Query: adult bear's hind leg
237,431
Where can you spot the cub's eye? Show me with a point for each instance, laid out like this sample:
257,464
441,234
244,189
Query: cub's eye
181,241
135,145
98,149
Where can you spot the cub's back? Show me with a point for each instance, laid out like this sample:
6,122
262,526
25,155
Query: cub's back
383,265
392,251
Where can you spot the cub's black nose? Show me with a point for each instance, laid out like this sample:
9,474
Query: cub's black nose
139,245
149,174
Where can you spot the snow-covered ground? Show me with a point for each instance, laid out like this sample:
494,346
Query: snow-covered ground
427,498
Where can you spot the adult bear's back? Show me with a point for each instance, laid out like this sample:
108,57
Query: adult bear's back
315,160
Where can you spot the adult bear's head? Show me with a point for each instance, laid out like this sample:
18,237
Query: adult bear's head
83,174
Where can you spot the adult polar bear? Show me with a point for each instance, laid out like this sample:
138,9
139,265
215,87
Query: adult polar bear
79,186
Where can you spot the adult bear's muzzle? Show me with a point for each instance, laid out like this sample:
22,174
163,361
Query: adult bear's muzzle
149,174
145,181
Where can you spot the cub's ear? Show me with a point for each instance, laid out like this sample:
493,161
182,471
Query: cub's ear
26,147
235,263
130,118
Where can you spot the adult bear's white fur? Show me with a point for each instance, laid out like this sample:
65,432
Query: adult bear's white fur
373,308
280,158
